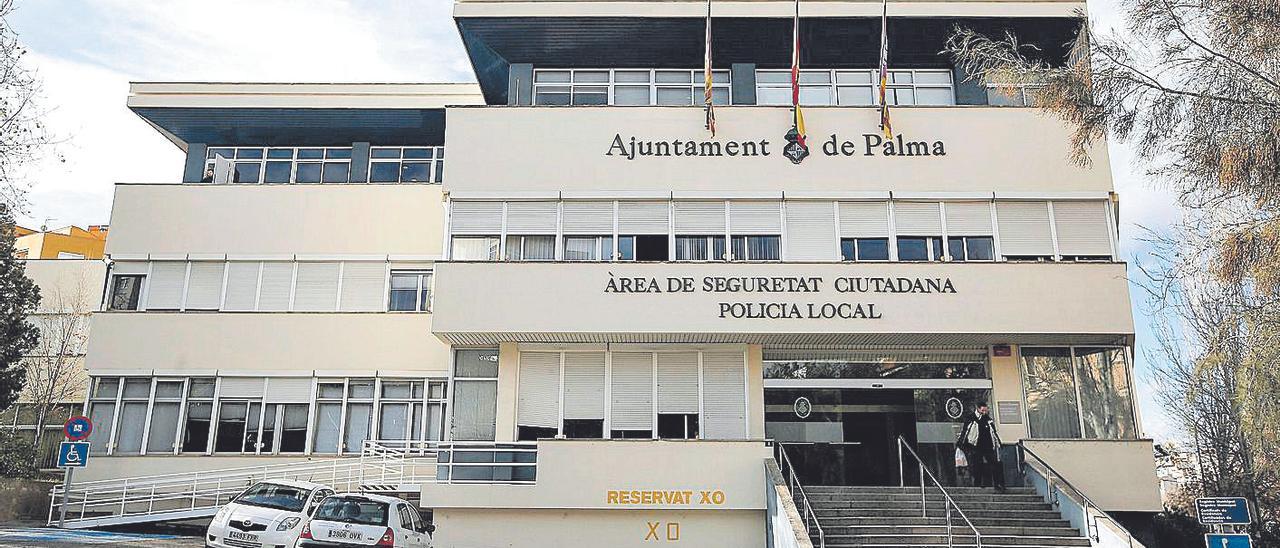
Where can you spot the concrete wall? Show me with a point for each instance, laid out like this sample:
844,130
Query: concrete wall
472,528
1006,386
1004,299
532,149
68,284
362,219
1118,475
360,343
578,474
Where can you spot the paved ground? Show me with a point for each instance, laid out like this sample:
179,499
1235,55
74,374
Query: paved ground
39,537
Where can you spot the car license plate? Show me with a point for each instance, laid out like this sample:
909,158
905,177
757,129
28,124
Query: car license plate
345,534
237,535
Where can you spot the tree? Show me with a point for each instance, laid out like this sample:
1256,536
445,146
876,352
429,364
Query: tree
23,136
19,298
54,373
1194,88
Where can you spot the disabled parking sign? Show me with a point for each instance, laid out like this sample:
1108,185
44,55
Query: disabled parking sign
73,454
1227,540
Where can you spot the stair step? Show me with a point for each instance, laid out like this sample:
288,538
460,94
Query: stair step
827,513
918,540
981,522
934,497
910,489
977,505
956,529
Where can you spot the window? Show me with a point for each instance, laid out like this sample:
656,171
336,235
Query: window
282,165
198,422
700,248
125,290
437,395
162,436
410,291
475,395
627,87
400,413
328,416
757,248
919,248
970,248
643,248
588,248
102,411
359,415
1078,392
679,426
1017,95
406,165
475,248
531,248
857,87
864,249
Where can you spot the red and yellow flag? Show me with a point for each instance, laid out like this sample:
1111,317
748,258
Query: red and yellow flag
706,74
885,125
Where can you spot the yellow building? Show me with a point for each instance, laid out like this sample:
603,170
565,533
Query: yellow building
68,242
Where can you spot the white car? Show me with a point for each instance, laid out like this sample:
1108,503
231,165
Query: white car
352,519
267,515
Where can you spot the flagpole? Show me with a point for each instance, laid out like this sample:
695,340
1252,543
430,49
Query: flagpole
707,77
885,126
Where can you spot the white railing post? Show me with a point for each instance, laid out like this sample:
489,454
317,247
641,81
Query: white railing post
124,491
950,538
924,506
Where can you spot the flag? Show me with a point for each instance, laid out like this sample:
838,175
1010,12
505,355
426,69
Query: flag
706,74
796,148
885,126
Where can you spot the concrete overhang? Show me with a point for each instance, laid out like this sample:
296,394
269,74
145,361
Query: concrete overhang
268,114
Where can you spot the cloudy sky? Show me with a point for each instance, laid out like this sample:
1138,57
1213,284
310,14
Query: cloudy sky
87,52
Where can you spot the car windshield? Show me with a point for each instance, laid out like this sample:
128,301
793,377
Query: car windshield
360,511
271,495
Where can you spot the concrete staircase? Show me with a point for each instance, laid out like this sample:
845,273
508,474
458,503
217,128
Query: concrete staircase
890,517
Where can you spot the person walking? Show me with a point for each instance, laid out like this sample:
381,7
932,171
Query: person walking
981,444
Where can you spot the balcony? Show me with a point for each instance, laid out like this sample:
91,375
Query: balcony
621,150
796,303
276,220
263,343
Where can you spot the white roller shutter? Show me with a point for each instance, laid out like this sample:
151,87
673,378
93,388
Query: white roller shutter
273,292
917,219
164,286
242,286
755,218
241,387
969,218
1082,228
677,382
724,396
127,267
364,286
289,389
631,391
584,385
204,286
539,399
587,218
1024,228
317,287
475,218
643,217
811,231
864,220
531,217
698,218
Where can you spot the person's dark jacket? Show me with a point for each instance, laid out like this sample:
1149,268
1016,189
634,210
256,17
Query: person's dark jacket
971,432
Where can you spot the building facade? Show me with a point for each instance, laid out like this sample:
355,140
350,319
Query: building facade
598,311
68,242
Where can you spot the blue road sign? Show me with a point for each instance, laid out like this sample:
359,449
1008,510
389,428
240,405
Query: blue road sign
1223,510
1225,540
77,428
73,454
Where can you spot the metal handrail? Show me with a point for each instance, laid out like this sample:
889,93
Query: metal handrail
793,484
948,502
1093,531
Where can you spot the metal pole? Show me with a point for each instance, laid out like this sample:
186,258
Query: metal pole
950,541
902,475
66,492
924,507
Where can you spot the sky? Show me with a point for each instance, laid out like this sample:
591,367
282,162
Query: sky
87,52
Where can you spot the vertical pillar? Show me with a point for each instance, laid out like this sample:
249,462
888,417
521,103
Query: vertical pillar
755,392
520,84
743,78
193,169
508,375
359,163
1006,386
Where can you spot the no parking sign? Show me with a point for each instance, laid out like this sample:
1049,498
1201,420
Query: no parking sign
77,428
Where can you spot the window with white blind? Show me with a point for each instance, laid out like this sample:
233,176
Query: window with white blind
811,231
1082,230
1025,232
269,286
755,231
650,394
969,231
864,231
918,230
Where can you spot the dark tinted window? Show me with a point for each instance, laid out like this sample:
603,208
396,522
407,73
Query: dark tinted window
357,510
270,495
